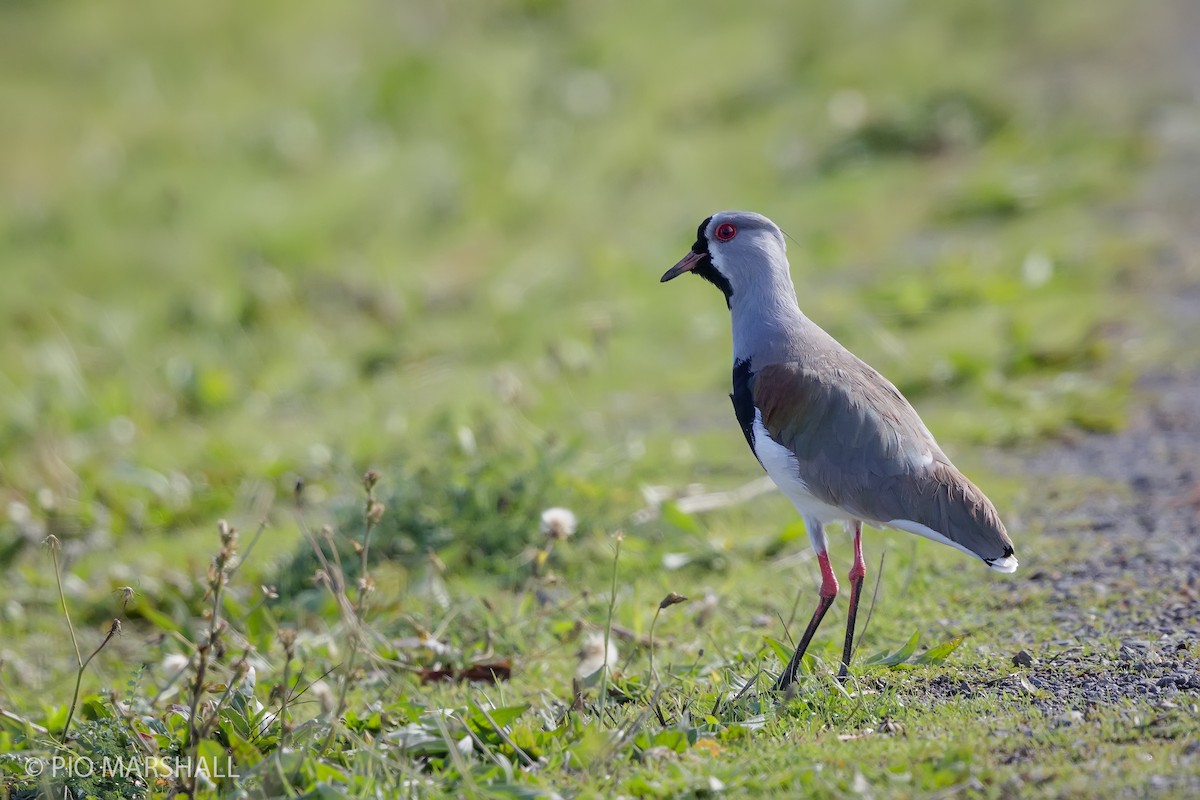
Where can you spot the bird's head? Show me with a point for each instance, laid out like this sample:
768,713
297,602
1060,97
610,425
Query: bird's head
738,252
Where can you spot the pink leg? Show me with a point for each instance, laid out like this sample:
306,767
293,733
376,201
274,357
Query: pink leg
829,590
857,573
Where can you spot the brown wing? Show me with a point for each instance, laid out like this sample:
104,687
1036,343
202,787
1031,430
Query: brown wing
860,446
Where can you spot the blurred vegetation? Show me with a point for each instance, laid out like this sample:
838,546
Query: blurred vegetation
474,500
247,246
250,242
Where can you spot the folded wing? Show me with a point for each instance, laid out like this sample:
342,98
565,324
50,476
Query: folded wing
861,447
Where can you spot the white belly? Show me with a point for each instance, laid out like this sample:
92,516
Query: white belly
782,467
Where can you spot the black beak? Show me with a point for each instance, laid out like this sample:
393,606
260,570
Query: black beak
686,264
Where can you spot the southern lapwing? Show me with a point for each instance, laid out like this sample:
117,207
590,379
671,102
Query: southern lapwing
834,435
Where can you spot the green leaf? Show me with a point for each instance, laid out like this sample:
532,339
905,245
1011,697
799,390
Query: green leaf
324,791
327,772
506,715
156,618
680,519
406,710
243,752
214,761
416,740
95,707
676,740
56,717
938,654
783,651
233,724
898,657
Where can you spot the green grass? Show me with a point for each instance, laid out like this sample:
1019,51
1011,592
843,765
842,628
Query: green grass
250,244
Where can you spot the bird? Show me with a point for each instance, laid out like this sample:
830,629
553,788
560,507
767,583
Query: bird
834,435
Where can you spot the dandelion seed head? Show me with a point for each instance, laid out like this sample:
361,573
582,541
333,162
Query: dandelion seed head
558,523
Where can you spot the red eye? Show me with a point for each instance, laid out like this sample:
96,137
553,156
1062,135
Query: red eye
725,231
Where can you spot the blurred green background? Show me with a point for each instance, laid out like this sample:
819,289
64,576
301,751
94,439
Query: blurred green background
244,245
248,243
245,241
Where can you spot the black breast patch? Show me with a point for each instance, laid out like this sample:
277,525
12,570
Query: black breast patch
743,401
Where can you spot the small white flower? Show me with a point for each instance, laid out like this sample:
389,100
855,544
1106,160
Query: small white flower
848,109
171,671
466,441
1037,269
558,523
173,664
592,655
325,696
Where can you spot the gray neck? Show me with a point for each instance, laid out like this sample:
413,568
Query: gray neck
767,323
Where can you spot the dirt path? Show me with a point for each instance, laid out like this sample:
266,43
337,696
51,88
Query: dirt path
1127,506
1135,571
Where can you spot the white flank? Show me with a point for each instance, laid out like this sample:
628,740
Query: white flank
780,463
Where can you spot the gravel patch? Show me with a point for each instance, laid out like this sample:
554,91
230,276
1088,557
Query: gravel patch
1135,574
1125,607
